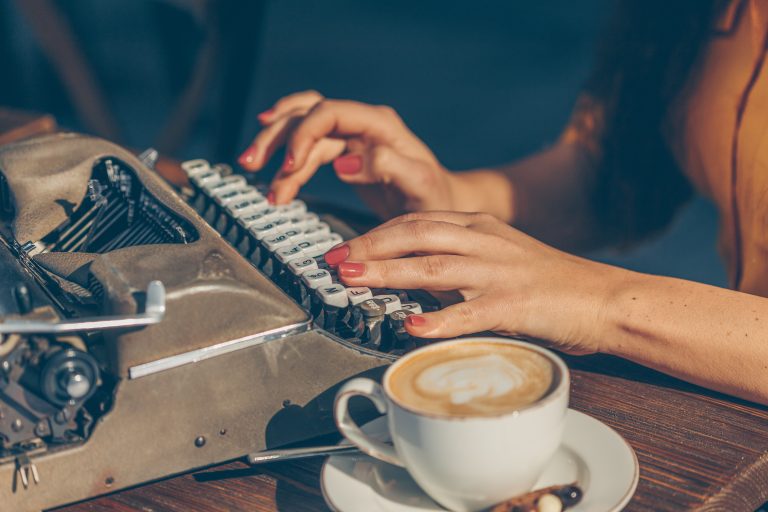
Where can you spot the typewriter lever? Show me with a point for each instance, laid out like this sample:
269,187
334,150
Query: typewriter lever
154,311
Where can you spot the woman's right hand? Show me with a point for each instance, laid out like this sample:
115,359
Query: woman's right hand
370,147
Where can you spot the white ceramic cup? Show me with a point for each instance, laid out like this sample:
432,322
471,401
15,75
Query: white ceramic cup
465,463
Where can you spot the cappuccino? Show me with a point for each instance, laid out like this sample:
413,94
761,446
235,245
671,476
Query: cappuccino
471,379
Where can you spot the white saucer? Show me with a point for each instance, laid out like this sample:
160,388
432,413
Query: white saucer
592,454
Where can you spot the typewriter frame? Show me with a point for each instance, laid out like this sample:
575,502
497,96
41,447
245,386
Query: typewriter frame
193,390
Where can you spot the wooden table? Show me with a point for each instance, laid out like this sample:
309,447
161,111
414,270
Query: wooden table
697,450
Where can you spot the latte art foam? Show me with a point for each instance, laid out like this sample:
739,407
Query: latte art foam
472,379
464,380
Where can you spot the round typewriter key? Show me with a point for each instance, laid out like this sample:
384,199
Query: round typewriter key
359,294
301,265
413,307
195,167
262,230
392,302
334,295
304,221
316,278
286,254
206,178
225,185
321,229
373,307
295,207
274,243
266,215
397,318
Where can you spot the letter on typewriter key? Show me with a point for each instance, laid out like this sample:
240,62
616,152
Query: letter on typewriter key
314,279
412,307
334,299
298,266
195,167
373,307
359,294
286,254
391,301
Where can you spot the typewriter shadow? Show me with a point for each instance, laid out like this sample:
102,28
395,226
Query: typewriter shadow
297,483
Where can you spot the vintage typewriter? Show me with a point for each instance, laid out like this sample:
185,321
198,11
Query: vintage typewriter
146,332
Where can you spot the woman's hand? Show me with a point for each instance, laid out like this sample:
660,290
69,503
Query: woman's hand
370,147
511,283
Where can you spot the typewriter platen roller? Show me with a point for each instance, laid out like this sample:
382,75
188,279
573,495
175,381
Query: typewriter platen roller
135,341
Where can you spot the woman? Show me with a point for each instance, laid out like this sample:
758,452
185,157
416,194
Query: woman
686,91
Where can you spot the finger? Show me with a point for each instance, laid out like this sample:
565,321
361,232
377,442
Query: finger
438,273
286,185
458,218
341,119
303,101
267,141
468,317
425,237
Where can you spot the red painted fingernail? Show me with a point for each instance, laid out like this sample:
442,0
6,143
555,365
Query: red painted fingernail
248,157
288,162
264,116
351,269
348,164
271,197
416,320
337,255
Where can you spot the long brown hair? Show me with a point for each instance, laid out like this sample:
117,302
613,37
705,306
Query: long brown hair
643,62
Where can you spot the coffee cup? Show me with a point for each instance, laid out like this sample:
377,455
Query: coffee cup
474,420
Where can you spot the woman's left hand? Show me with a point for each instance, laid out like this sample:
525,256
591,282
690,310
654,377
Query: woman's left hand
511,283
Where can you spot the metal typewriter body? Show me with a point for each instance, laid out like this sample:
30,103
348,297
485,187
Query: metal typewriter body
109,379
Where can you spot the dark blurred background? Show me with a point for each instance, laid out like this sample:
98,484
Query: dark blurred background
482,82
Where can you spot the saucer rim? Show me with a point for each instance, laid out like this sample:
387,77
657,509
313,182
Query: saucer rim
620,505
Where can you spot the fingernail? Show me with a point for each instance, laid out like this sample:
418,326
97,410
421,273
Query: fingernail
248,157
348,164
337,255
264,116
288,162
271,197
351,269
416,320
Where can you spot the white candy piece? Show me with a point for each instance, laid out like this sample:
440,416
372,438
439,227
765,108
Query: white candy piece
334,295
359,294
314,279
392,302
301,265
549,503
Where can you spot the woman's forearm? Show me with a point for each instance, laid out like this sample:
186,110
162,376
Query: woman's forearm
710,336
546,195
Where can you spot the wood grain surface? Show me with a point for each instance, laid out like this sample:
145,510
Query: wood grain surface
698,450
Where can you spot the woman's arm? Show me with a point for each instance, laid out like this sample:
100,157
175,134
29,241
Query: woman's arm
548,195
710,336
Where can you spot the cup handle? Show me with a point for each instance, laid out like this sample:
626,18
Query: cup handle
373,392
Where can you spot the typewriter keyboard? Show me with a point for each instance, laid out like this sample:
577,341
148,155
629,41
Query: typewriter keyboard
287,243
